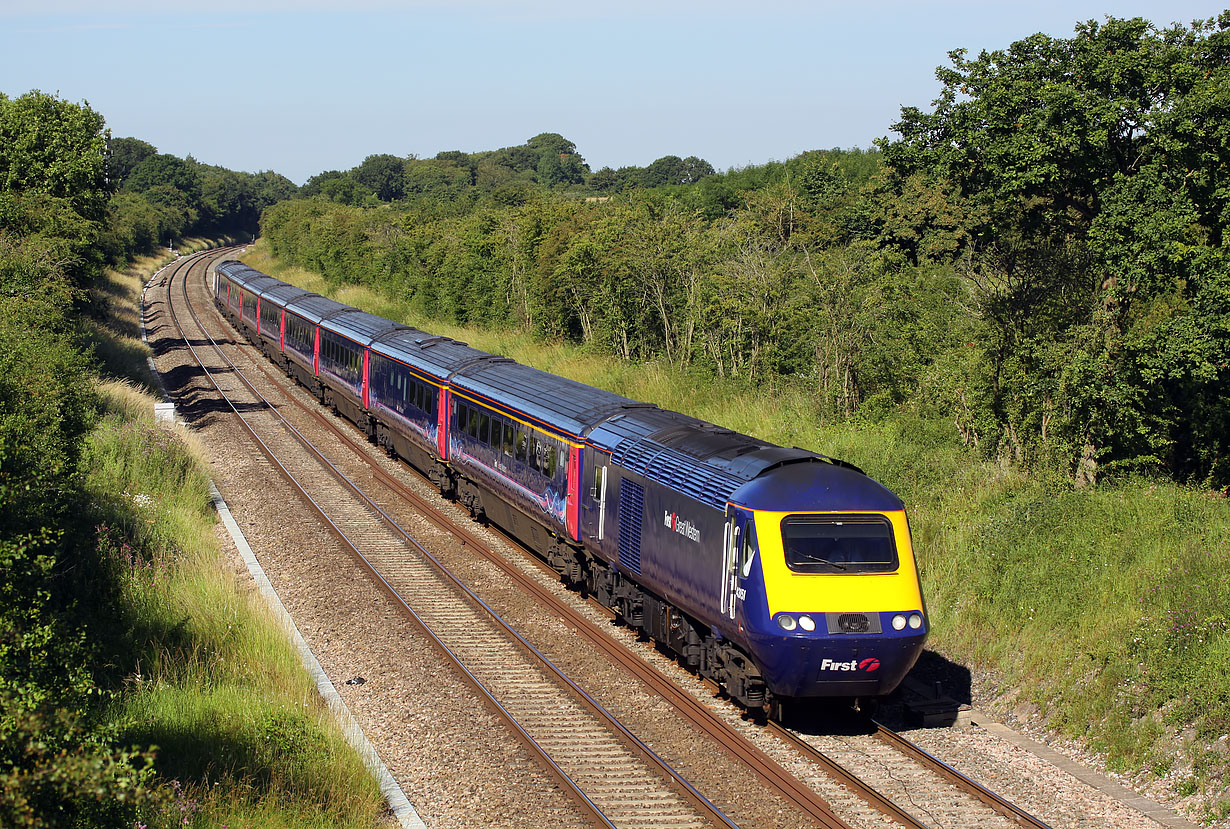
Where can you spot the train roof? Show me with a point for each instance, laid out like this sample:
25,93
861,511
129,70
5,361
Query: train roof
439,357
707,462
257,285
562,404
359,326
800,487
314,307
240,273
282,293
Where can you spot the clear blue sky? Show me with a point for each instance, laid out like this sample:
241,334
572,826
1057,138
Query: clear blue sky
303,86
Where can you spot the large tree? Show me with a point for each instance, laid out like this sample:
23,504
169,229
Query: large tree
1091,176
384,175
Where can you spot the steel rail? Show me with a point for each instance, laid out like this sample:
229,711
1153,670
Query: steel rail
966,784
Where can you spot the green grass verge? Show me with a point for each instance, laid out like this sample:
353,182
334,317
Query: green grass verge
1106,612
201,669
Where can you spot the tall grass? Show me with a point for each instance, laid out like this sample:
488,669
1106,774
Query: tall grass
204,672
1108,611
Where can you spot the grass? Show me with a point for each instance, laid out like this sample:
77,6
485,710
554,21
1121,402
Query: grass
1107,612
201,668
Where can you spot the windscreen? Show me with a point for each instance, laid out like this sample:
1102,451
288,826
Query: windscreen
839,544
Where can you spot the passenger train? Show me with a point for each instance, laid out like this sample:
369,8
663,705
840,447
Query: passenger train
780,574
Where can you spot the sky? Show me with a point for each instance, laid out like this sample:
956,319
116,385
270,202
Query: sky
305,86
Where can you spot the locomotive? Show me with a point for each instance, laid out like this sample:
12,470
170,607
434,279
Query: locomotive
780,574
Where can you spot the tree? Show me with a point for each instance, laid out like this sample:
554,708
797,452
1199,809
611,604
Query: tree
123,155
163,169
464,161
384,175
604,180
50,146
1090,174
271,188
551,142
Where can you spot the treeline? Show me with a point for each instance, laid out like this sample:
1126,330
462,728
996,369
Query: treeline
158,199
66,205
56,760
1040,259
454,181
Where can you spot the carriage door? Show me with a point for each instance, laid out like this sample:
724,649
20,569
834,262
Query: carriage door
732,541
740,549
600,493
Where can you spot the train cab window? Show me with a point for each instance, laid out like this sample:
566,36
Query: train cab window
749,550
839,544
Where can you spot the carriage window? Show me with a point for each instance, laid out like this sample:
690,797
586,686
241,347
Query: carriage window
548,460
749,550
839,543
484,424
510,439
522,444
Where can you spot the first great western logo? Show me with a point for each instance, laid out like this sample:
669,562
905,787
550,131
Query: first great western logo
682,526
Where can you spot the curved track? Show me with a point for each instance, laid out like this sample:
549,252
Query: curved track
610,773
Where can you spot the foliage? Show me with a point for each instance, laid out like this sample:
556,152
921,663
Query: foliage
56,765
162,199
53,147
1080,185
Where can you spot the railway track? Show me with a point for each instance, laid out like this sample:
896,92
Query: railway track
612,776
525,691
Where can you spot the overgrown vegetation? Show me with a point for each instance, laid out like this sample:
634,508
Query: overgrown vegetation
1104,609
1016,314
1040,259
139,686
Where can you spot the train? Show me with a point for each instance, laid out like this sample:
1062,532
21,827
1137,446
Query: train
782,575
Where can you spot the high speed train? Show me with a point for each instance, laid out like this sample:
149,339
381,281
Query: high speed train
781,574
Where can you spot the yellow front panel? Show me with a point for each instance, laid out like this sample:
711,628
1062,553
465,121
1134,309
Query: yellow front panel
836,592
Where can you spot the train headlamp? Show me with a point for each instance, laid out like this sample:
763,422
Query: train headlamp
899,622
807,623
786,622
915,621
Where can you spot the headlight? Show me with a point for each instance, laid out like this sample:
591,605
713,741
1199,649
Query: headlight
915,621
786,622
899,622
807,623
